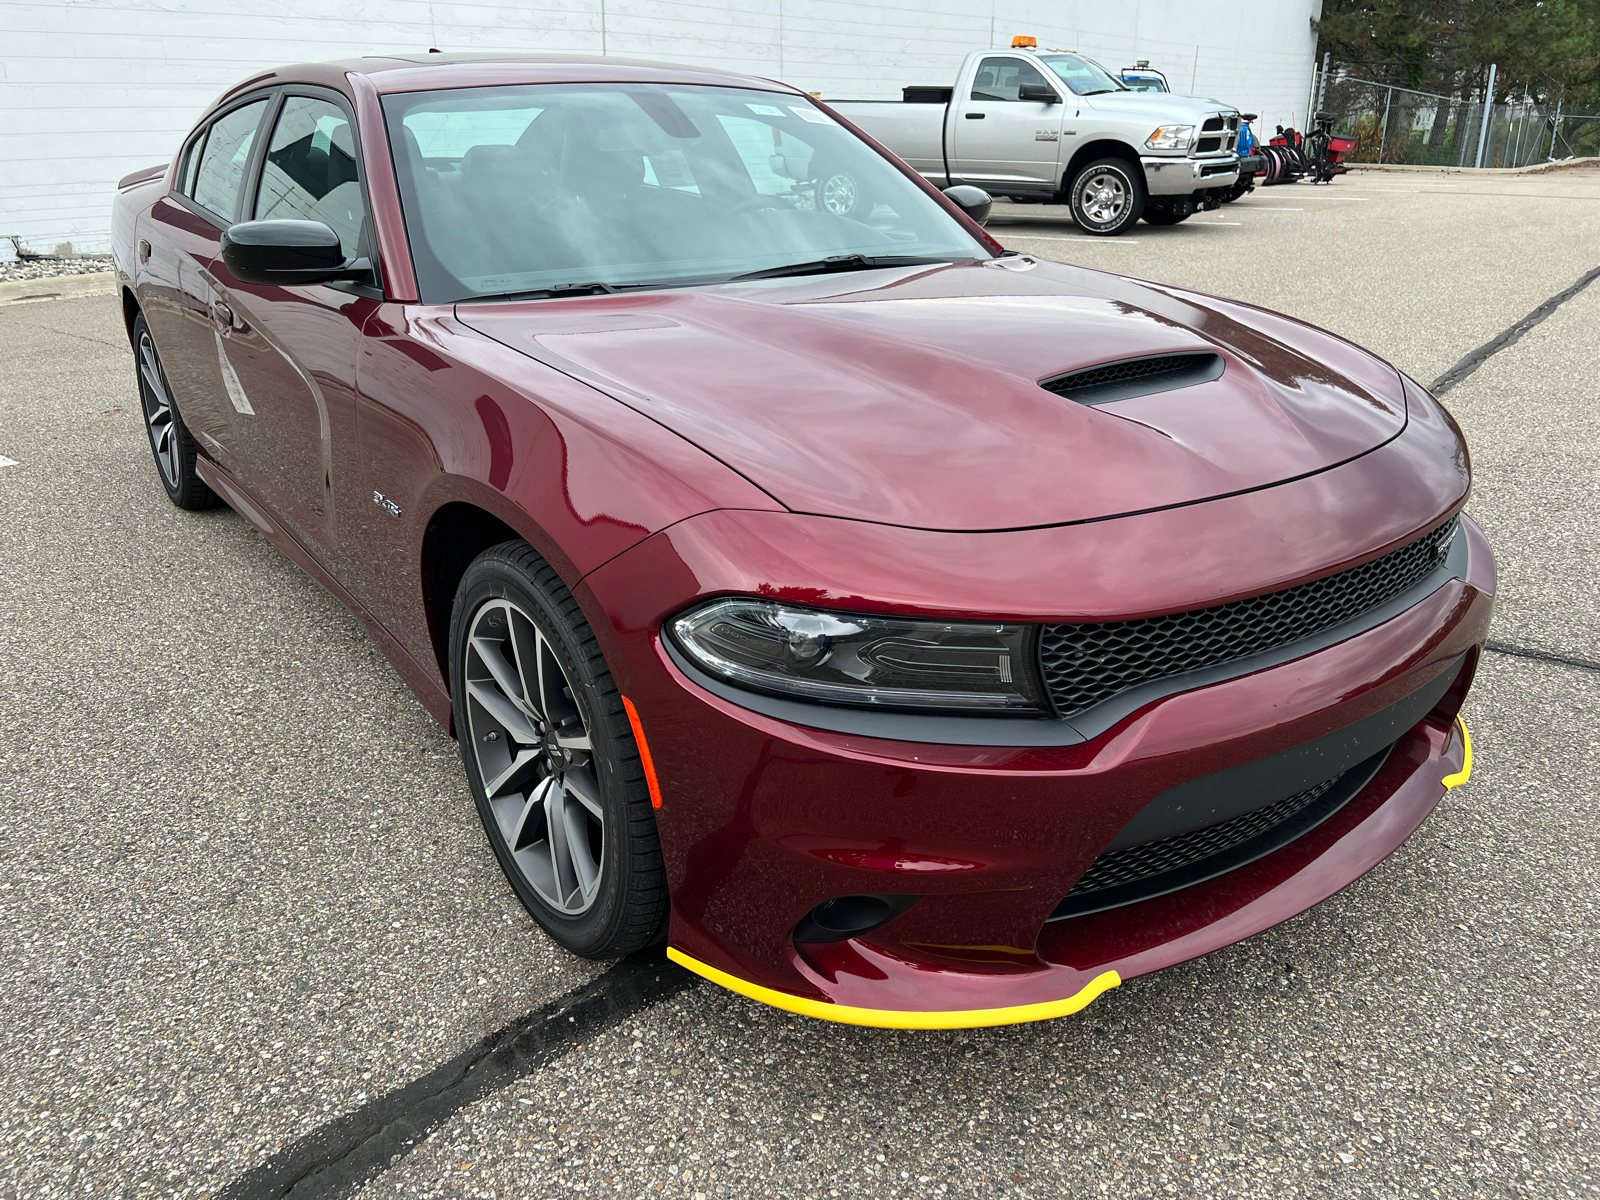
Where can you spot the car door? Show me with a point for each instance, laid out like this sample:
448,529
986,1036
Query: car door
178,290
1001,138
294,351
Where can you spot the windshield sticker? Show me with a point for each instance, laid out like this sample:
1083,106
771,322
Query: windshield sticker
765,110
815,116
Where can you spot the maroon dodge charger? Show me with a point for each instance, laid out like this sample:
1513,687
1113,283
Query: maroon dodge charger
905,631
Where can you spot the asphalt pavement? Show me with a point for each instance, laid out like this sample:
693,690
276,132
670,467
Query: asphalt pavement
250,930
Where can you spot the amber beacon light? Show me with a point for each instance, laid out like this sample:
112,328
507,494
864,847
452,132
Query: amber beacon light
1023,42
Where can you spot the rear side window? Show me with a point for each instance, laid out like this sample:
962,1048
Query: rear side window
1001,78
191,163
310,171
223,161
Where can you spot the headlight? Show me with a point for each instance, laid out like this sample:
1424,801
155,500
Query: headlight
865,661
1171,137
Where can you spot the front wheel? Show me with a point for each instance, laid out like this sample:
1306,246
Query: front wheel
1107,197
170,442
551,758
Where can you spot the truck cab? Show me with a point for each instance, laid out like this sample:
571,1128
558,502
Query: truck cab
1030,124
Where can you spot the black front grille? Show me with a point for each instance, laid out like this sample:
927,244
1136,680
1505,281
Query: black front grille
1117,867
1208,145
1087,664
1212,125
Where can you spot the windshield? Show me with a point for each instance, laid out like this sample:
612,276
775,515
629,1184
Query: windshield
536,188
1085,78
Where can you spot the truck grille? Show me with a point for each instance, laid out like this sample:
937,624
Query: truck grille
1089,663
1208,145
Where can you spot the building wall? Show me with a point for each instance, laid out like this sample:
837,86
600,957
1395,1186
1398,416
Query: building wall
93,89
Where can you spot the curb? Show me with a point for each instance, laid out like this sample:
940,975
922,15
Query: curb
58,287
1536,169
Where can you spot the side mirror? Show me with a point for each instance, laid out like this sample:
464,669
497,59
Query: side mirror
1042,92
288,252
973,201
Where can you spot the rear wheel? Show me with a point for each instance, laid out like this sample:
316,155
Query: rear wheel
170,442
1107,197
841,193
551,759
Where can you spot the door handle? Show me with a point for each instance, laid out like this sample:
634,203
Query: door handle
222,315
975,116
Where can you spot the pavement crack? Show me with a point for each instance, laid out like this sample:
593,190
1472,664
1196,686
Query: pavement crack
340,1155
82,337
1509,336
1566,660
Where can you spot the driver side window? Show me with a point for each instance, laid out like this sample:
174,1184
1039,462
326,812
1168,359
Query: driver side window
1002,78
310,171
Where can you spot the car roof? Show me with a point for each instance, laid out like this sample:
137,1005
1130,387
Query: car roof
430,71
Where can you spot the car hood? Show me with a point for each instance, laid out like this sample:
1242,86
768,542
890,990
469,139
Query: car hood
912,397
1159,107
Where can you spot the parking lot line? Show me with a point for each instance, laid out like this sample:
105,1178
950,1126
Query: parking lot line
1067,237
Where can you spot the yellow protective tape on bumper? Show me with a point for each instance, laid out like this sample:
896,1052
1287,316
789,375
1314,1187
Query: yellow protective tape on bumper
893,1018
1465,773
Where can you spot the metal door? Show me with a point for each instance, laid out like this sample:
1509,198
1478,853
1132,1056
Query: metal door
1000,138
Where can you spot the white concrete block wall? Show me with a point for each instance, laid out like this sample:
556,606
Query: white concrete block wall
93,89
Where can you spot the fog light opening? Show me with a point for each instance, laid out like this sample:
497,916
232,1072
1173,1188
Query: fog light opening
845,917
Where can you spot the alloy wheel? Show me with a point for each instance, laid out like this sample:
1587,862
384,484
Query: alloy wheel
839,195
535,757
158,414
1104,197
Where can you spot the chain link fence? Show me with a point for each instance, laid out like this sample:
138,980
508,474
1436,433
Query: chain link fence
1399,125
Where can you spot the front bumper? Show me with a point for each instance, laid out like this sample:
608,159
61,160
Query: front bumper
764,818
1181,176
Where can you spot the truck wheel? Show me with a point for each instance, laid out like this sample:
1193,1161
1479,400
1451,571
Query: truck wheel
1107,197
840,192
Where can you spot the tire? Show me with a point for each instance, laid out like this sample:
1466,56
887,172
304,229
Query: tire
840,192
170,442
1107,197
562,749
1242,188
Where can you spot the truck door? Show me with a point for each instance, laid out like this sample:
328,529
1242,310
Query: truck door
1001,138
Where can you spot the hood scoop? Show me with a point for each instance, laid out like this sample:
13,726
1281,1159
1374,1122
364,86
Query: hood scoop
1130,377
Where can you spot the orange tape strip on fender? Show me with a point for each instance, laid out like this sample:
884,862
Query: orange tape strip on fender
1465,773
645,760
894,1018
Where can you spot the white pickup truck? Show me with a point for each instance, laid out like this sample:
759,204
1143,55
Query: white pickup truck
1051,125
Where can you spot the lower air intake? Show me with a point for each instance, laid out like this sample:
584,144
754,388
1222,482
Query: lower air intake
1138,873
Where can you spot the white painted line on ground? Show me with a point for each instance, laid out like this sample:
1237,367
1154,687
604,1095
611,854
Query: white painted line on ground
1056,237
1269,208
8,462
1219,222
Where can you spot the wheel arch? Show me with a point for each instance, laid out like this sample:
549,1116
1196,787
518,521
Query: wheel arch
1100,148
130,311
456,533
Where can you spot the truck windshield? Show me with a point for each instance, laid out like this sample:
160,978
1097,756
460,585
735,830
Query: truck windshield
1085,78
572,187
